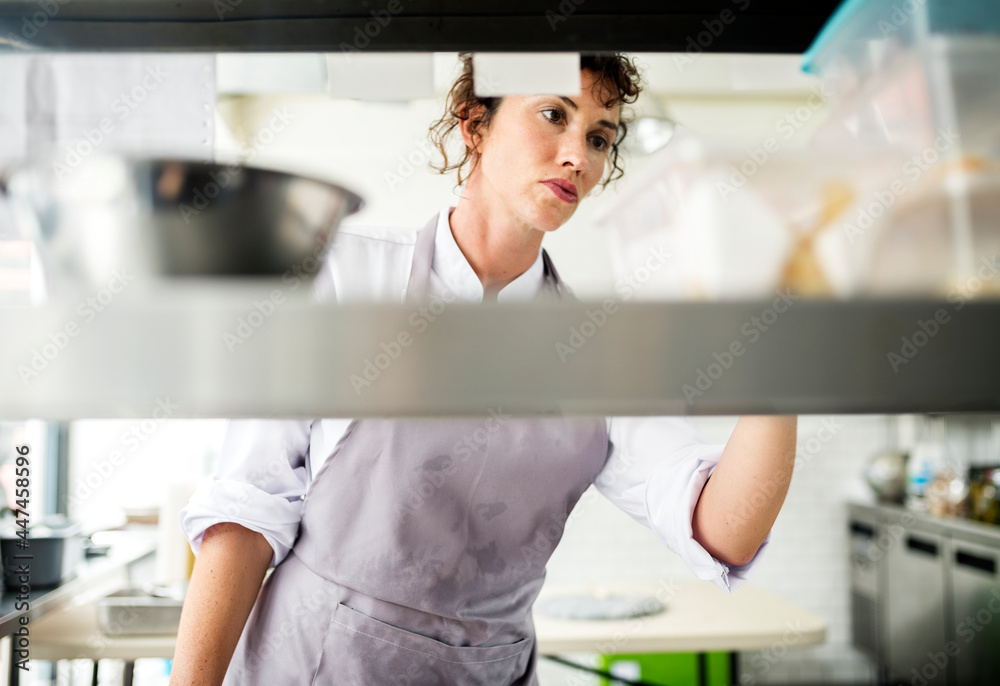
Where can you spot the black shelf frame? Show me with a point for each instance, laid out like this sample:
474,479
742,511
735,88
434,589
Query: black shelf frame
727,26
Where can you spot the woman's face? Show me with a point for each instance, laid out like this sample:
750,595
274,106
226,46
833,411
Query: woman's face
535,141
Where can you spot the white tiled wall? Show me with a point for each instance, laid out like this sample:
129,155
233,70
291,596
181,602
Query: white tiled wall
806,562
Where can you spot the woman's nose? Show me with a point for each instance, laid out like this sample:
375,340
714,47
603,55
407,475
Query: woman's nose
573,152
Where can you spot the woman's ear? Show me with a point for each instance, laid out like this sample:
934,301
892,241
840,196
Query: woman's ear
472,116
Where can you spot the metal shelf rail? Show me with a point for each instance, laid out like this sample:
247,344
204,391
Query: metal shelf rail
205,352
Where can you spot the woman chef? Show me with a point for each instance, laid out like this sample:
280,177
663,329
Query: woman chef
409,551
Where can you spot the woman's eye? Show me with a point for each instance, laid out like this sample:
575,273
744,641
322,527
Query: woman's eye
557,115
600,142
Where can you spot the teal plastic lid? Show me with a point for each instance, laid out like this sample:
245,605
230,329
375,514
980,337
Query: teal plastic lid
870,19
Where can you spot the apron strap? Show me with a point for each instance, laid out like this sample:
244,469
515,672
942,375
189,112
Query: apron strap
423,256
551,279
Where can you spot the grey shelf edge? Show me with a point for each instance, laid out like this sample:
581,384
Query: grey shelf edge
776,26
205,353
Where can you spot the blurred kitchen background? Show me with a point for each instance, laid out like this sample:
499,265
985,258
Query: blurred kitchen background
376,146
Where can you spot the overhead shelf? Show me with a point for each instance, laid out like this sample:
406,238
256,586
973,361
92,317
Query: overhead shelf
764,26
205,354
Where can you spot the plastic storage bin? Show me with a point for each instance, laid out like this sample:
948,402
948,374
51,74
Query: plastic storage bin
921,76
905,71
945,88
863,36
702,221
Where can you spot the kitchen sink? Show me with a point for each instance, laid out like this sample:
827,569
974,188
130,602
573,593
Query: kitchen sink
141,611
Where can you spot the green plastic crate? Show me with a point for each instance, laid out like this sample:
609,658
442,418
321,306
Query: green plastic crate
669,669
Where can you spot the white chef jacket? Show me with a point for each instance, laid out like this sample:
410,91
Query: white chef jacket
656,466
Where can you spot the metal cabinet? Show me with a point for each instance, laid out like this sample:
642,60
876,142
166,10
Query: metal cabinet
916,621
925,596
975,604
866,603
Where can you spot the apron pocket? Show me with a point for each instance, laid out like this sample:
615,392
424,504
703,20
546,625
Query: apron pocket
362,650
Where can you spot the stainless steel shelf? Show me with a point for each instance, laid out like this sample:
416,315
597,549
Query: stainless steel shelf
765,26
309,360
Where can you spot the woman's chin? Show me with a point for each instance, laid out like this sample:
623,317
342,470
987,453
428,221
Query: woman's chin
550,218
549,226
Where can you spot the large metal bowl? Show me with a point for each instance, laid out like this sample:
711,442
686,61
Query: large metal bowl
171,217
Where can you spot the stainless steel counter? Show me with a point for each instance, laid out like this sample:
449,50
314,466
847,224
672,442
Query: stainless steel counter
968,529
94,577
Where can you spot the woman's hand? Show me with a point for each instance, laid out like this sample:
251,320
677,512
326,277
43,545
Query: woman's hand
224,585
741,500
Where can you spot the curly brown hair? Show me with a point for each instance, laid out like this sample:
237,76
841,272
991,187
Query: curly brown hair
619,80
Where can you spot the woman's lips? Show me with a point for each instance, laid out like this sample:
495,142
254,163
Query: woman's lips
560,192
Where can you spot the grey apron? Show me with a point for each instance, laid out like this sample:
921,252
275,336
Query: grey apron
422,547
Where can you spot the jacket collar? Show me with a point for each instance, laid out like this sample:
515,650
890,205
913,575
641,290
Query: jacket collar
437,252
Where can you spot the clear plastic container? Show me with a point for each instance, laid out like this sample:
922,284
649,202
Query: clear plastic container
921,76
745,222
904,71
864,36
942,238
942,95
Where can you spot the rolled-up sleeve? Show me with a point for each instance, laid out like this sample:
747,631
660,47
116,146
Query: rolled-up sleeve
259,483
655,472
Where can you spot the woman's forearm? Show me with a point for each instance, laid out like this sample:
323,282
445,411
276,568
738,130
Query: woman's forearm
741,500
224,584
